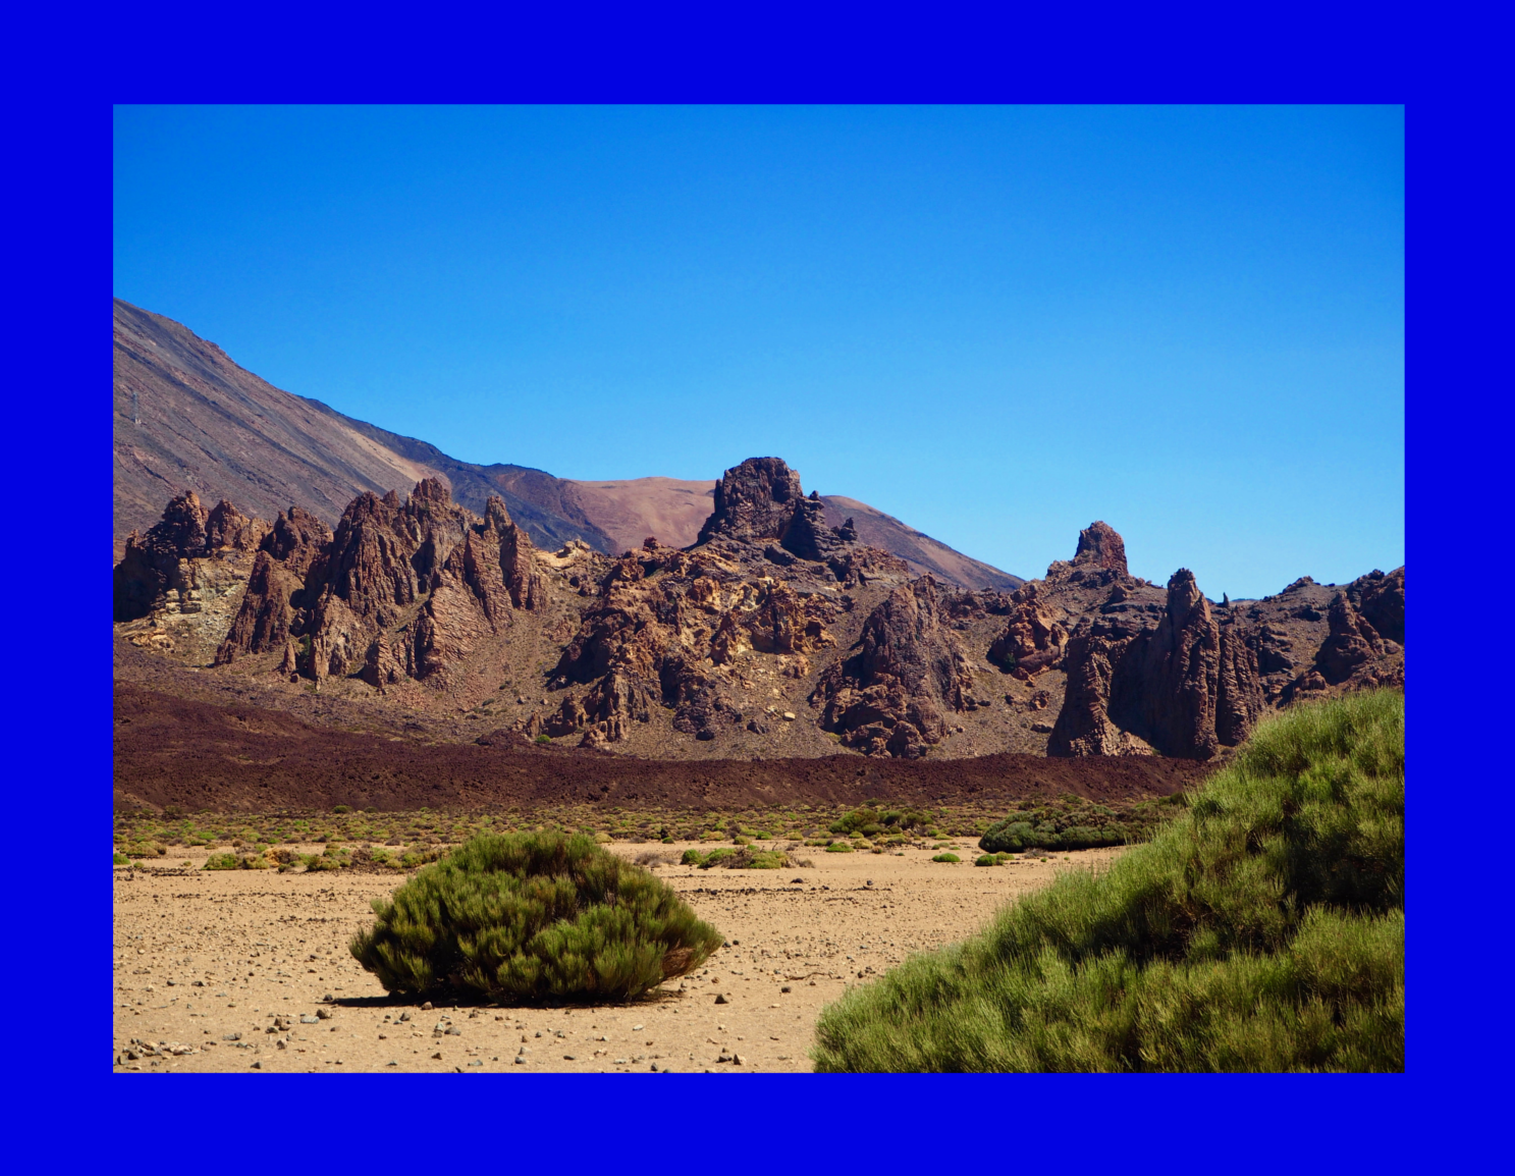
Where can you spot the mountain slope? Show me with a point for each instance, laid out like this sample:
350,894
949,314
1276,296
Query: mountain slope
923,553
187,418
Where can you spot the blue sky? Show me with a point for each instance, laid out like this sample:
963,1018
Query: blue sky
996,323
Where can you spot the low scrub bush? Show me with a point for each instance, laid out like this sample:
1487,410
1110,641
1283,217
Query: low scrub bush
947,857
1262,929
839,847
745,858
235,861
524,916
870,820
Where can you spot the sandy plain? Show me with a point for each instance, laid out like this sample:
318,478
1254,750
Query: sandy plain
249,970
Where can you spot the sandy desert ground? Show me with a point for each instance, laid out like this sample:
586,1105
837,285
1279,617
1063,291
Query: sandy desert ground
249,970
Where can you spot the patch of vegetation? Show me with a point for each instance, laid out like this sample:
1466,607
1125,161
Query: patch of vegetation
530,917
947,857
235,861
839,847
1261,930
870,820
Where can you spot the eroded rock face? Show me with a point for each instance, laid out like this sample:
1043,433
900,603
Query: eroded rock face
399,590
1185,686
1100,545
673,628
1380,599
1033,639
754,502
909,672
151,568
1352,642
178,584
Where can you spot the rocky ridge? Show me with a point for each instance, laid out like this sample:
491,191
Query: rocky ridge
775,633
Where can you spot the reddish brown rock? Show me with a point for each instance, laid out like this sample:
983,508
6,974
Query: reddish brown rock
1380,599
1100,545
1185,686
892,696
754,501
1352,642
1033,640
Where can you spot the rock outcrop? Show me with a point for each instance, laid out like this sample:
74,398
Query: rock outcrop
712,650
675,628
1186,686
1380,599
892,696
760,503
1033,640
163,562
1351,644
754,502
1101,546
399,590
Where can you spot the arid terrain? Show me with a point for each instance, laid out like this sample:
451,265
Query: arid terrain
337,651
249,970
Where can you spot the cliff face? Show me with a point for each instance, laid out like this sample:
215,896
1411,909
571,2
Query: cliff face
399,590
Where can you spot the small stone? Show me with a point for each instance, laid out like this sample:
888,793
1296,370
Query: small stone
736,1059
720,998
520,1061
323,1014
308,1019
784,989
788,716
257,1066
436,1057
425,1008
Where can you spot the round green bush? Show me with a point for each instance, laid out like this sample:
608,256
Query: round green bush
946,857
533,916
839,847
987,859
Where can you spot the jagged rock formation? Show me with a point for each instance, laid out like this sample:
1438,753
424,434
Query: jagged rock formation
713,650
1098,544
399,590
753,502
1381,601
1033,639
165,560
177,585
908,673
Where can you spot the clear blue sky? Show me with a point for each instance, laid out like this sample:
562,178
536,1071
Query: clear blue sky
998,324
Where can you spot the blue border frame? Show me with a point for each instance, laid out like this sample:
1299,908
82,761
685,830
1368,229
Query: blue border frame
1458,242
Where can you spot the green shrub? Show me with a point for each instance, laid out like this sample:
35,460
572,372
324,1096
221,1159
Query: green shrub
533,916
946,857
341,808
868,820
120,859
987,859
1261,930
839,847
544,738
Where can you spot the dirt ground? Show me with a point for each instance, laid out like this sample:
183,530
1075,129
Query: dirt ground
249,969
